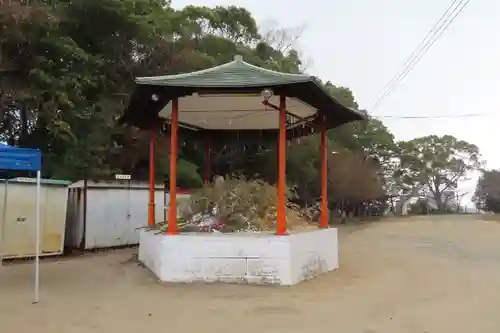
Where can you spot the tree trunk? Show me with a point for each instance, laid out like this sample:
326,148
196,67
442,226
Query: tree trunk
439,203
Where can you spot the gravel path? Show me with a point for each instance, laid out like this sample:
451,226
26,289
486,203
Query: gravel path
438,274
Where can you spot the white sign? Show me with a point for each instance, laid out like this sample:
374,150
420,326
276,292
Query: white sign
123,177
25,180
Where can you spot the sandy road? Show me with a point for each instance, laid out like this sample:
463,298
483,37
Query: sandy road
439,274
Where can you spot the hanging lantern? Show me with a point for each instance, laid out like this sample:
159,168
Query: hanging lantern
266,94
164,127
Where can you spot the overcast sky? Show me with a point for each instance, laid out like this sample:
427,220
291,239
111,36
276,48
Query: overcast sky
361,44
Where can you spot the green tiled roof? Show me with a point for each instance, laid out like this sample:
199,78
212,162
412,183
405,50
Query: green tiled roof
234,74
232,78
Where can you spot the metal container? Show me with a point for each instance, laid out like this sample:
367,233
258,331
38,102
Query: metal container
18,224
104,214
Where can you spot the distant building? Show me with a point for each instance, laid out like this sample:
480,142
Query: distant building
404,204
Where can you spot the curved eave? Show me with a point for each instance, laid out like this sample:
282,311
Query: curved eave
236,73
143,112
210,85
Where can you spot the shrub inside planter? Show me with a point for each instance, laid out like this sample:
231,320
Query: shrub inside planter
234,204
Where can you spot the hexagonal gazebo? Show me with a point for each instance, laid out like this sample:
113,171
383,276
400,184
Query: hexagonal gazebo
237,100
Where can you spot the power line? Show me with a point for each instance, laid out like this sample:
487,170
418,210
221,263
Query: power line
432,36
415,53
457,116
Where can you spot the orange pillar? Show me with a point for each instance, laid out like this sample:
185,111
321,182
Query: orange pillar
151,204
172,207
323,223
208,159
281,209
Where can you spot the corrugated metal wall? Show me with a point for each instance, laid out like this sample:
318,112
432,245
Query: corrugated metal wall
19,225
113,215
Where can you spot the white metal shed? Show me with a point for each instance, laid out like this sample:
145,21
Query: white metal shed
105,214
18,218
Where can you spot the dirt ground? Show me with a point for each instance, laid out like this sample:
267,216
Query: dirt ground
439,274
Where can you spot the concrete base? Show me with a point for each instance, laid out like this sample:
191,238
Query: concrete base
252,258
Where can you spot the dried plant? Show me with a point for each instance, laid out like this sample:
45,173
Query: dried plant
241,203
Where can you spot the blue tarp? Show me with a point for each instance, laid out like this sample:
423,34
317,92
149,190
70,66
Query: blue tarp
20,159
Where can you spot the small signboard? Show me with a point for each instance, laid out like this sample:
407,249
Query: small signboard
123,177
25,180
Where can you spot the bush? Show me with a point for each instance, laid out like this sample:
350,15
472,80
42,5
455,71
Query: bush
492,204
240,203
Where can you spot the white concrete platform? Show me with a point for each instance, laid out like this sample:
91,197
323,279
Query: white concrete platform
252,258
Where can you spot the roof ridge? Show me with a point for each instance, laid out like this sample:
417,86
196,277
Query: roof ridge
270,71
182,75
238,60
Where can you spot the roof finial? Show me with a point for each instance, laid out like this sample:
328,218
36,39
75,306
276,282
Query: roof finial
238,58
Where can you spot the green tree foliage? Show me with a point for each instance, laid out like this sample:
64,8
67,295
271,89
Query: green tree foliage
64,80
67,71
436,164
487,195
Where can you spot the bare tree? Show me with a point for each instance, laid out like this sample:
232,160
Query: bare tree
352,176
285,39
